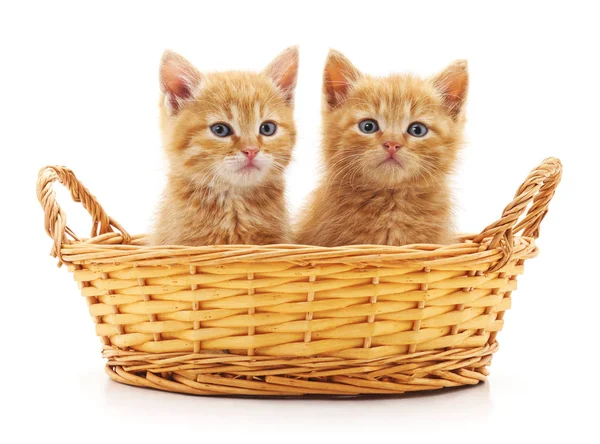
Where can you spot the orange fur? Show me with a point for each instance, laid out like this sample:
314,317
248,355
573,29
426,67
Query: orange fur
369,193
214,193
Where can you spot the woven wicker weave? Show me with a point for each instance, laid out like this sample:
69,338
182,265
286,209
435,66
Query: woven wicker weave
296,320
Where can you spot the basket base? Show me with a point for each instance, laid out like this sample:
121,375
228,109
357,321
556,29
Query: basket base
268,376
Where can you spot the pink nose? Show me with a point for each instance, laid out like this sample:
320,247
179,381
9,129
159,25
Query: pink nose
392,146
250,152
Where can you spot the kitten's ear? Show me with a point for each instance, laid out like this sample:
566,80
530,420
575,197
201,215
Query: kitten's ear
283,70
179,81
339,75
453,83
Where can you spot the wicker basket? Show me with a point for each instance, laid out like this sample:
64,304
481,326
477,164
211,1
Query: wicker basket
296,320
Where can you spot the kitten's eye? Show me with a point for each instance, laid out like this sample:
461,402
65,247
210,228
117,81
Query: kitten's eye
368,126
268,128
221,130
417,129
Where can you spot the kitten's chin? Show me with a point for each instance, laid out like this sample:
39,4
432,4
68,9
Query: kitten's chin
389,172
245,176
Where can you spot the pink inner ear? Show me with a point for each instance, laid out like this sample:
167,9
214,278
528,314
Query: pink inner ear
338,77
283,71
453,84
336,86
454,94
178,78
288,80
177,91
177,87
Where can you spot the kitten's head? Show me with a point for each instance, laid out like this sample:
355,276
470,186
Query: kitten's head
229,128
387,131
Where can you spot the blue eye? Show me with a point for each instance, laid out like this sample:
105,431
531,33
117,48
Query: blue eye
417,129
368,126
268,128
221,130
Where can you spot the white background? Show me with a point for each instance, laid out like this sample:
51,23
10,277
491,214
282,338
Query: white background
79,88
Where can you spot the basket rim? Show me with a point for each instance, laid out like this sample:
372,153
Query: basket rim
109,248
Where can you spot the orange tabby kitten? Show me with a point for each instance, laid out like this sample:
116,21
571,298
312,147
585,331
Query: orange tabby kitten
228,138
389,146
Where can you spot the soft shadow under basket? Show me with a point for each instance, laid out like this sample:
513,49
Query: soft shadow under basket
297,320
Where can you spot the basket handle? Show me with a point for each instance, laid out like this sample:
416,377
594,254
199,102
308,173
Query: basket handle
537,190
54,217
